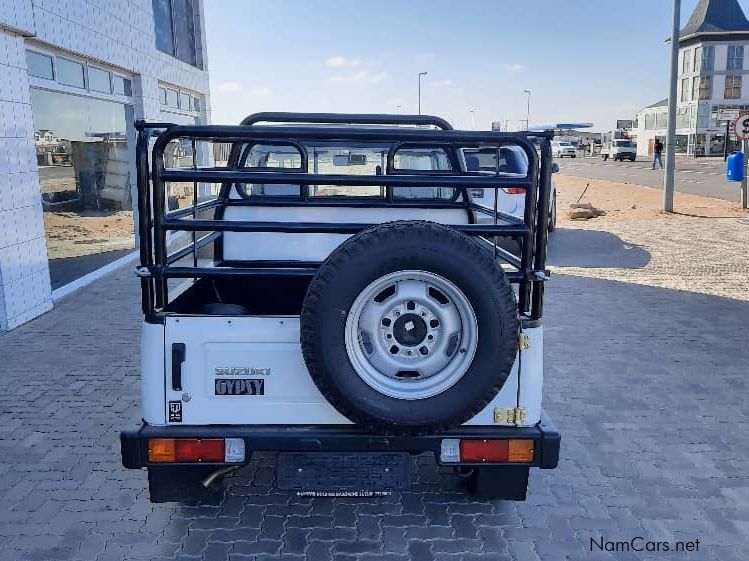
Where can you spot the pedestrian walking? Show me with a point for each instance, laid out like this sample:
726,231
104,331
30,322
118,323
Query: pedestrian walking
657,150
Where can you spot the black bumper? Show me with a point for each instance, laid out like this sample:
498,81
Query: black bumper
337,438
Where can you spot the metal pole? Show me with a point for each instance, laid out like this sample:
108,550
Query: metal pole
528,111
744,197
668,178
420,75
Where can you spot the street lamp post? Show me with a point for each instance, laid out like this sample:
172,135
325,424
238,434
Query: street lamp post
420,75
471,117
668,178
528,110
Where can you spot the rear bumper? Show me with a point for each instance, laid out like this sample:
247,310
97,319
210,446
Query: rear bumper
339,438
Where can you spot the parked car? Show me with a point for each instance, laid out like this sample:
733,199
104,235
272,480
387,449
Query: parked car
353,318
561,149
510,161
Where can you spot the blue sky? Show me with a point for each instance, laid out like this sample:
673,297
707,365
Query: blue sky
589,60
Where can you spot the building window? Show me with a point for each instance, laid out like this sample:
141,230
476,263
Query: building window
40,65
682,118
184,101
733,87
98,80
685,89
697,56
70,73
705,88
172,98
121,86
708,59
176,29
84,163
735,57
686,62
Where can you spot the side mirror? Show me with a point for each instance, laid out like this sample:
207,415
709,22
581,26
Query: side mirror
554,167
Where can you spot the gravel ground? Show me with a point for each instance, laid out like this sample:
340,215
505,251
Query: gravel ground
701,249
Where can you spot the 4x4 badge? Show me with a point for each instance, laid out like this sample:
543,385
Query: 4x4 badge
175,411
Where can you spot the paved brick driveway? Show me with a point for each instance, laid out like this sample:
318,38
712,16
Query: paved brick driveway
647,384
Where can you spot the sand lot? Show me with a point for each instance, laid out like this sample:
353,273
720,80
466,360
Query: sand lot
702,247
72,234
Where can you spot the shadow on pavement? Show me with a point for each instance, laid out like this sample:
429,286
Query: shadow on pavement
64,270
570,247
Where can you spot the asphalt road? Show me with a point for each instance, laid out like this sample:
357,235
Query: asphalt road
699,177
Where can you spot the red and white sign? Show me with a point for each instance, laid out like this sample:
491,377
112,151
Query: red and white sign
741,127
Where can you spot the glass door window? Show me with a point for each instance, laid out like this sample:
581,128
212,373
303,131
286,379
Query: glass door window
84,174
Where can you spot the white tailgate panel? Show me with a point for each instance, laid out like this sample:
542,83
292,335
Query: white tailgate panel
291,397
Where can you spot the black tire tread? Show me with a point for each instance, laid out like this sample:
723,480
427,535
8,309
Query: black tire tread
384,233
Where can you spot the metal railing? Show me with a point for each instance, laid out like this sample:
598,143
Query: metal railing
401,131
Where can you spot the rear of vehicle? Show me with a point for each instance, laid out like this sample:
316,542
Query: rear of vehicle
509,162
330,293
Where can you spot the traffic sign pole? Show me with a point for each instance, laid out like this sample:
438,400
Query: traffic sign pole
741,130
744,197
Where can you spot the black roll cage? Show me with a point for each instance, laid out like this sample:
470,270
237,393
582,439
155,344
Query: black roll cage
155,221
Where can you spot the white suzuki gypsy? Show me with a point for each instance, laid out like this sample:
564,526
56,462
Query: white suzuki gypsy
324,289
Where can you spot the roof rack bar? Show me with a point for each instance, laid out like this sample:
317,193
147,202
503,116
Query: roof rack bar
365,202
231,133
224,272
346,118
218,175
324,227
220,272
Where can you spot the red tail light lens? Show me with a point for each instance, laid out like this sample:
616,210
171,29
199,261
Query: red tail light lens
161,450
514,190
484,450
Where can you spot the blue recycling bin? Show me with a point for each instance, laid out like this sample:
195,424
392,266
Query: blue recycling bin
735,167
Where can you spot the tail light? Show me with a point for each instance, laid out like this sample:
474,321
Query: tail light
514,190
196,450
487,451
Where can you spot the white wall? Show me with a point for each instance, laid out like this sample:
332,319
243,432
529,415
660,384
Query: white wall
24,277
115,32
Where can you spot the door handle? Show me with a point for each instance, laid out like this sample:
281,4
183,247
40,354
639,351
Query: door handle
178,357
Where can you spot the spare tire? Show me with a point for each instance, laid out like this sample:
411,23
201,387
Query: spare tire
409,327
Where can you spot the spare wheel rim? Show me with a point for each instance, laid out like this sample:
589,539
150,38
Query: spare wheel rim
411,334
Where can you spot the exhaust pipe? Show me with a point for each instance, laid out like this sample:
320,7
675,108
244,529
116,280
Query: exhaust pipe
211,479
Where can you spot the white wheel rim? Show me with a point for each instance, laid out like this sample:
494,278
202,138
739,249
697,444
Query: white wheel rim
411,334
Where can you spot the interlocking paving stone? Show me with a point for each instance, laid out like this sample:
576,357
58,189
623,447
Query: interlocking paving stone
646,384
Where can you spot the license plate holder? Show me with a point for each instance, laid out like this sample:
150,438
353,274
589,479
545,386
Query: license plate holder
343,473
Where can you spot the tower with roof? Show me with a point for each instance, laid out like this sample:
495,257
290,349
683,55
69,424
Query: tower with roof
713,79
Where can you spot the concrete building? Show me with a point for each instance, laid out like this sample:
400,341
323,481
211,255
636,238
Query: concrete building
74,76
712,78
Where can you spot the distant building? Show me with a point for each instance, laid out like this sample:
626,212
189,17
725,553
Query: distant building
45,137
712,77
